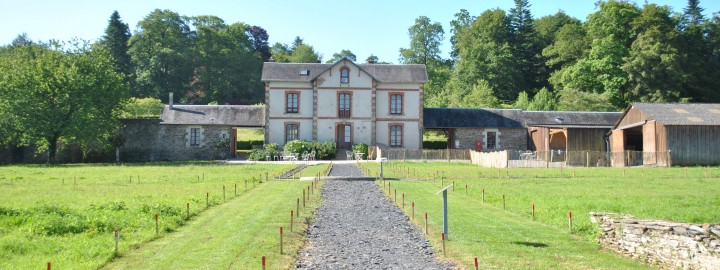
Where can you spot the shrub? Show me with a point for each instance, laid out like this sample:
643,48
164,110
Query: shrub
297,146
324,150
435,144
248,145
362,148
270,149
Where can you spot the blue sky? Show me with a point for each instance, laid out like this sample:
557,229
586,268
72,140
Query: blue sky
365,27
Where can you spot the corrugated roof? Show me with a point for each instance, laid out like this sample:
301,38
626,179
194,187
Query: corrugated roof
513,118
471,118
290,72
221,115
682,114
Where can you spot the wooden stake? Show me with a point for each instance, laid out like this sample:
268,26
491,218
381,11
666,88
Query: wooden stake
223,193
533,212
263,262
443,243
292,215
49,266
157,226
281,240
235,189
483,195
413,211
207,200
297,213
476,264
188,210
303,198
403,201
570,221
503,196
426,227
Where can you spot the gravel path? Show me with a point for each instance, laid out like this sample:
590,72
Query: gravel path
357,227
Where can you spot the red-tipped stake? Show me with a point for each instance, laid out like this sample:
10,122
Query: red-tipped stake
403,200
413,211
443,242
476,264
49,266
570,220
263,262
281,240
533,212
483,195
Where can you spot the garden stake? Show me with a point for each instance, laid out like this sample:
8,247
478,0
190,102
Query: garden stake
207,200
49,266
281,241
570,220
263,262
235,189
503,201
443,242
188,210
426,223
223,193
291,220
533,212
442,181
476,264
413,211
303,198
453,186
403,201
395,195
297,213
465,189
157,227
483,195
116,242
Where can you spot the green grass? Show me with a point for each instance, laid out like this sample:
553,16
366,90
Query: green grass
234,235
67,214
313,170
250,134
657,193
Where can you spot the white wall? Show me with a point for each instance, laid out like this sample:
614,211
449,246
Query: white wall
276,130
411,107
411,134
277,107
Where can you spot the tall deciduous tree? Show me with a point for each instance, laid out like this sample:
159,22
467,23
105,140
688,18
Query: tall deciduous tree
297,52
342,54
50,95
161,50
260,42
116,38
425,41
463,21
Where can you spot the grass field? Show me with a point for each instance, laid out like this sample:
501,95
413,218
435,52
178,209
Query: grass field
509,237
67,214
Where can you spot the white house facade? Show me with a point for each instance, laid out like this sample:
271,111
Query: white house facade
344,102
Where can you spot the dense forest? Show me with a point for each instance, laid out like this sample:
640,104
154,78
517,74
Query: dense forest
622,53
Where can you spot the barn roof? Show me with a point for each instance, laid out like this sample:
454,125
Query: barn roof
680,114
471,118
220,115
513,118
386,73
571,119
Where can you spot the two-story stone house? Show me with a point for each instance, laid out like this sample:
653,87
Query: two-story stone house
344,102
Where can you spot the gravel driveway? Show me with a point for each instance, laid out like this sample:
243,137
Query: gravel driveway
357,227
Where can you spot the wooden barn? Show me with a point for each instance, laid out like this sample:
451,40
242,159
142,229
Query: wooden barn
666,134
577,138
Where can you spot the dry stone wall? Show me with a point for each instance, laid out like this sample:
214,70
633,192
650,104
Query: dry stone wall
666,244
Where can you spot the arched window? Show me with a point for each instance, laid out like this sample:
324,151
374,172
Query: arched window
344,75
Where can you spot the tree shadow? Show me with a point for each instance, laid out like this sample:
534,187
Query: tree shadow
531,244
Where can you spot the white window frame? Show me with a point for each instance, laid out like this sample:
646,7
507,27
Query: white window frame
497,140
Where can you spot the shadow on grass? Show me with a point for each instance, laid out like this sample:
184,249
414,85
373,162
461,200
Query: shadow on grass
531,244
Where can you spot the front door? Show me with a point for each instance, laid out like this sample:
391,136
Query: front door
344,136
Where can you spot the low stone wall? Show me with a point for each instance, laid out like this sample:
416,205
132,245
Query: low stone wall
666,244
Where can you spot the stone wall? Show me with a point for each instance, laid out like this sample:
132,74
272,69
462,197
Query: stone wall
667,244
148,140
509,138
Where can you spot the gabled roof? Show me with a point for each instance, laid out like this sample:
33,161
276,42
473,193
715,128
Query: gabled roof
514,118
219,115
290,72
562,119
682,114
471,118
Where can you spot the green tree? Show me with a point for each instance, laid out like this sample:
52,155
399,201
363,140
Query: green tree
481,96
574,100
524,46
425,41
342,54
297,52
463,21
522,102
544,100
260,43
50,95
116,38
653,65
162,54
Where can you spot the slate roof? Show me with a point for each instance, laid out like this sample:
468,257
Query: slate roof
290,72
220,115
472,118
513,118
562,119
681,114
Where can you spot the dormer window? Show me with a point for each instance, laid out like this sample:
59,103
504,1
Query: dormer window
344,75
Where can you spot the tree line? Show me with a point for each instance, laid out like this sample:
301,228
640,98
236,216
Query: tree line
621,53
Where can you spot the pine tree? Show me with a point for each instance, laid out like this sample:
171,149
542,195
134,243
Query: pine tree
115,40
524,45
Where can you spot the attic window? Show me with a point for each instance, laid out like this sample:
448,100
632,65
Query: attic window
304,72
344,75
678,110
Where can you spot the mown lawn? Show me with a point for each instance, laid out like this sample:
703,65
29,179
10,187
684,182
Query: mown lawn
67,213
495,235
